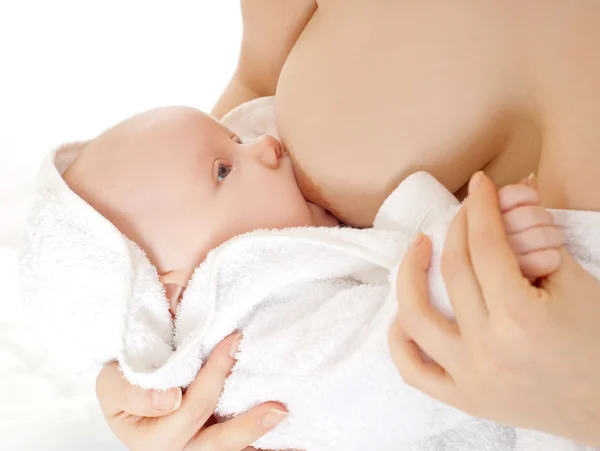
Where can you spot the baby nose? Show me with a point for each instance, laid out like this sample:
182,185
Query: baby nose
267,150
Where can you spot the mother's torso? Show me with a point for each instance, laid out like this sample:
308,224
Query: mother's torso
376,89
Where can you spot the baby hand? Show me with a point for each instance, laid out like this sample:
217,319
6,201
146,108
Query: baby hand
531,230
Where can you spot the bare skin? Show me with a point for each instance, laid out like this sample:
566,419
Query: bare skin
392,87
451,88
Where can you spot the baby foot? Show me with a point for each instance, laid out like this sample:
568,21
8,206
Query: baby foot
531,230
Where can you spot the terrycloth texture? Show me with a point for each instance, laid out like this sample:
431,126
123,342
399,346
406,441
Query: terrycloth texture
314,305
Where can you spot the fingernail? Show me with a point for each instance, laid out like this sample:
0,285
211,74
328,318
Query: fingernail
416,241
475,181
235,345
272,418
166,401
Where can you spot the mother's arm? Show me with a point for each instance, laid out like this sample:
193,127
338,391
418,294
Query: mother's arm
271,28
517,354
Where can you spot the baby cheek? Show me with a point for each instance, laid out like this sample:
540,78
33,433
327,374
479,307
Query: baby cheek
275,201
291,214
281,212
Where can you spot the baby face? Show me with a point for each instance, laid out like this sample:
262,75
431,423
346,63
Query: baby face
179,183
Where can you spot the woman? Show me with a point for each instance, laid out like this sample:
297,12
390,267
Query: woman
450,88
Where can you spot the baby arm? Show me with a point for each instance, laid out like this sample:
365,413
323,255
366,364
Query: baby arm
531,230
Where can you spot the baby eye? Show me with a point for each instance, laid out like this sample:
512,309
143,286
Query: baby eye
236,139
223,171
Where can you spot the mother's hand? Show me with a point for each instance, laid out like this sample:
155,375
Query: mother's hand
516,354
146,420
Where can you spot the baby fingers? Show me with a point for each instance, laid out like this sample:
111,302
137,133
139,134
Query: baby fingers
512,196
539,264
523,218
536,239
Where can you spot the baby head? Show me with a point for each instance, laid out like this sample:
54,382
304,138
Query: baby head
179,183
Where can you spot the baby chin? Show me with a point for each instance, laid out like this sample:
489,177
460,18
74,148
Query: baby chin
321,217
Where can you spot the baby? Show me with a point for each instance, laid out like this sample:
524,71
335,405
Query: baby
179,183
313,299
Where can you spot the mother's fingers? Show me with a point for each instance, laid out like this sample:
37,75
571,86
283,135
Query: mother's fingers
201,397
115,395
461,282
416,369
239,432
424,325
494,262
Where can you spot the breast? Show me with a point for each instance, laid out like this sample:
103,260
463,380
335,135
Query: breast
375,90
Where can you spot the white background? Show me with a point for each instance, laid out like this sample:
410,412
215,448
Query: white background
68,70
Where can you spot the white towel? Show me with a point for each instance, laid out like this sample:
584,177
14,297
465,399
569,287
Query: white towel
314,305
